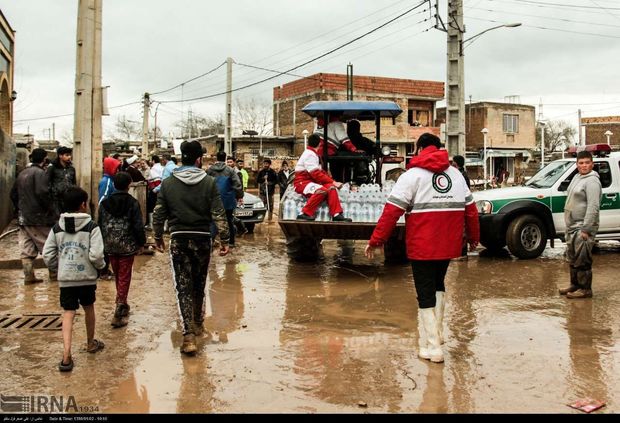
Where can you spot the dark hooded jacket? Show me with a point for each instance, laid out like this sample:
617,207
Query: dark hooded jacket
120,220
60,179
30,195
228,184
189,199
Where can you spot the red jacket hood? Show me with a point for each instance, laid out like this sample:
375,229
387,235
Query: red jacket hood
430,158
110,166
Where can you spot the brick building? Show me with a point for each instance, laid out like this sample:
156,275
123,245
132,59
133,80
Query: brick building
7,145
416,98
597,126
510,140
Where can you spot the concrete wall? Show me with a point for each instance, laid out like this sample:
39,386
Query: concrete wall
7,178
491,116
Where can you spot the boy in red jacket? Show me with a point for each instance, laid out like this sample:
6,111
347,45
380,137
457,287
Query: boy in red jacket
439,206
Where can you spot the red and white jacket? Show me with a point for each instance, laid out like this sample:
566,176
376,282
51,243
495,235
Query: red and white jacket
309,176
439,207
337,137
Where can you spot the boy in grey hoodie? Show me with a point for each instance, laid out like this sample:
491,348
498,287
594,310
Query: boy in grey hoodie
74,248
581,215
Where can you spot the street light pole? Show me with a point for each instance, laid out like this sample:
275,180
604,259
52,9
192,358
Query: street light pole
542,144
562,143
608,134
484,131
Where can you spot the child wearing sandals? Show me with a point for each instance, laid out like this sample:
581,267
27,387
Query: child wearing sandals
74,248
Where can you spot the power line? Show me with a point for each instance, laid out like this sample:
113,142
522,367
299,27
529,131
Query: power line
543,17
290,61
549,29
571,6
606,9
308,61
70,114
330,32
190,80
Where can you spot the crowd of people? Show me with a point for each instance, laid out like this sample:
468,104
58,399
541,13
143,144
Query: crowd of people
195,205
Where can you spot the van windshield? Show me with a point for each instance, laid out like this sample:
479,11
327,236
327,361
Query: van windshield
547,176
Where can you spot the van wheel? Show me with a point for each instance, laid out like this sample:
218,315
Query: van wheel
526,237
304,249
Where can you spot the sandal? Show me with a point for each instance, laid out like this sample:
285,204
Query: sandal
96,346
65,367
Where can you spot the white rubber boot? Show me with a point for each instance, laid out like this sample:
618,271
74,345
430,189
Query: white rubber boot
435,354
422,339
439,310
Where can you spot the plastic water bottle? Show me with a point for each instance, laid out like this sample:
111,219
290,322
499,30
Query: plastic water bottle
378,211
289,209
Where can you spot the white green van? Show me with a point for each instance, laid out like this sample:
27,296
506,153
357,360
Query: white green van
525,217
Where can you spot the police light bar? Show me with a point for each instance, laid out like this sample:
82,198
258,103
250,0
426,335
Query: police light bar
598,150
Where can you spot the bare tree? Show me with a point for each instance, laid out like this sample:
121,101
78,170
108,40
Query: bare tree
197,125
554,131
253,114
126,128
66,138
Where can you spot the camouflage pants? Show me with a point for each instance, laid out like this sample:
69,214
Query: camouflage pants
190,263
579,256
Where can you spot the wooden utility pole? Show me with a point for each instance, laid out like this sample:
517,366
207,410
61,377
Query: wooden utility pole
145,125
87,148
228,127
455,95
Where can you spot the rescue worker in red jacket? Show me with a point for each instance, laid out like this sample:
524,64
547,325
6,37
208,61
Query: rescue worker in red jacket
439,207
337,137
314,183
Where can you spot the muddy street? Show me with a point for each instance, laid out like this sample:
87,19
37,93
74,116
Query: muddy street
337,336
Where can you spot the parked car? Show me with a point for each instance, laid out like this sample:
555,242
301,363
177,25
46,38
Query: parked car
525,217
252,212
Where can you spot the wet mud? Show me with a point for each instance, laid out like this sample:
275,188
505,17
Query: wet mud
336,336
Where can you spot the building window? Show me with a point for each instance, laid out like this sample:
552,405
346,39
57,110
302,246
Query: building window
418,117
511,123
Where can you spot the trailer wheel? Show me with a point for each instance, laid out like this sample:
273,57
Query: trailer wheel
304,249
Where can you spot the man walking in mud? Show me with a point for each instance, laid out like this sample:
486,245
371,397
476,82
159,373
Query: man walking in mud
581,215
439,208
189,199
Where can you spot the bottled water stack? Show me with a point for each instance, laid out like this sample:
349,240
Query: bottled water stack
364,204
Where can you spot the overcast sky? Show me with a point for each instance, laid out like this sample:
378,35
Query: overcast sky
152,45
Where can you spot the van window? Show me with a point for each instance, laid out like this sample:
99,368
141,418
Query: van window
604,172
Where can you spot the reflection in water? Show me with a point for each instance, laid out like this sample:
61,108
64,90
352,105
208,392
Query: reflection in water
347,329
197,390
435,397
586,331
131,400
226,296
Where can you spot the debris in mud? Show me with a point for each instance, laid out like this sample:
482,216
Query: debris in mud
362,404
244,326
587,405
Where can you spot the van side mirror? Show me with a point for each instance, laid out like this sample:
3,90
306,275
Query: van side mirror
564,185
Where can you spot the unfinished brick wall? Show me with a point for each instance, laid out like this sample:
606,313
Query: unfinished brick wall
597,126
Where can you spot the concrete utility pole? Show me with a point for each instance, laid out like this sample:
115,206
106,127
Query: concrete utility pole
228,127
455,86
87,148
145,125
